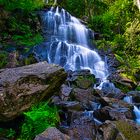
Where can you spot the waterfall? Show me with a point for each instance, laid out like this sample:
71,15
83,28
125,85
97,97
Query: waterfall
137,114
68,44
136,110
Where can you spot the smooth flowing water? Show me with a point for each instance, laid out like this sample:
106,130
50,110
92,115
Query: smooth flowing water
68,44
136,109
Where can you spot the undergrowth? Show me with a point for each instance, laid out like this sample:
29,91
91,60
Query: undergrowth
39,118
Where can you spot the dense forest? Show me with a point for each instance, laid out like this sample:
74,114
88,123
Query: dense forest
116,28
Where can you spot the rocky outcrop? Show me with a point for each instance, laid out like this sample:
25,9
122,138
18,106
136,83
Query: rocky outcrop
24,86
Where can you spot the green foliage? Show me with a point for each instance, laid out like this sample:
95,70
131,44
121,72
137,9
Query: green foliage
26,5
3,59
138,88
119,58
28,39
37,120
132,36
76,7
119,25
113,20
22,31
7,133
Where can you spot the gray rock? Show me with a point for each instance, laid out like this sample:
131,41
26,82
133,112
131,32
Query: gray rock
65,92
24,86
52,133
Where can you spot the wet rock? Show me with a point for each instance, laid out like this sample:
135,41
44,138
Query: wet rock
52,133
135,96
81,127
102,114
70,105
109,113
65,92
110,132
79,74
109,90
116,103
85,97
24,86
55,99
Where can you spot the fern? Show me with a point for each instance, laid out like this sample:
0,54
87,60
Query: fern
37,120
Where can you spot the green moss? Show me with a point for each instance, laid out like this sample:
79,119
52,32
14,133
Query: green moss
127,130
84,81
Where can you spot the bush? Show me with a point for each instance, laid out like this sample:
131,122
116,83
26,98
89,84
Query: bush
25,5
7,133
37,120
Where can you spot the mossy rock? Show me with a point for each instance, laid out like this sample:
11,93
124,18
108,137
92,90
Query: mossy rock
129,130
85,82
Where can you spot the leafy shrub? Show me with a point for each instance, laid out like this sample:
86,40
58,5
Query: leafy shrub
28,39
23,32
7,133
76,7
37,120
26,5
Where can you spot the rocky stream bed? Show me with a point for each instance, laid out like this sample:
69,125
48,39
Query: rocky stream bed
86,113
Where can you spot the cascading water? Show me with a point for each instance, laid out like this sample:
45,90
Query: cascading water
68,44
136,110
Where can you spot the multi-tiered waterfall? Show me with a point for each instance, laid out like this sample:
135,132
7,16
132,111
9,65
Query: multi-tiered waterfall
68,44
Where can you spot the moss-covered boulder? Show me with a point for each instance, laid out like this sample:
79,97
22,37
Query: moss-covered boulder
22,87
120,130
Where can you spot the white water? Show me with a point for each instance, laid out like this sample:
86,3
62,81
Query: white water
137,114
128,99
68,44
136,110
47,1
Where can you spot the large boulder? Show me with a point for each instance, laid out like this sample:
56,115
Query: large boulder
24,86
120,130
